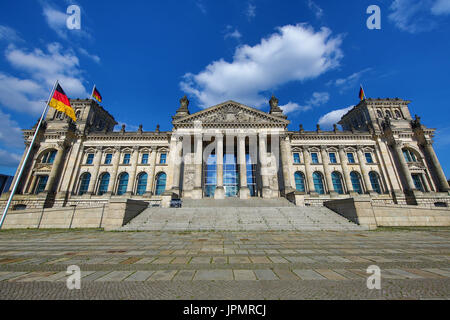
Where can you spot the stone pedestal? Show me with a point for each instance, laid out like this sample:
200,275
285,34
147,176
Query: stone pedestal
267,193
219,193
244,193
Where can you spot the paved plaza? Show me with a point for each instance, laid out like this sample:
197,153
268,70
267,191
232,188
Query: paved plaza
414,264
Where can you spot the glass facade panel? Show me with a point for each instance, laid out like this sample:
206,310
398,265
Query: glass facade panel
230,175
251,175
210,176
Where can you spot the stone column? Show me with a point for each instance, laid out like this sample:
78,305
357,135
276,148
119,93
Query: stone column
113,179
308,172
197,193
266,191
364,170
151,175
286,160
244,191
344,165
404,166
176,165
220,191
443,184
55,169
134,163
94,176
326,170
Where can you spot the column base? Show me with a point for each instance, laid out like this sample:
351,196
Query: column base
148,195
266,193
244,193
219,193
197,193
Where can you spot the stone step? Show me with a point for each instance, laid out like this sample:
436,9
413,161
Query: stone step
240,219
236,203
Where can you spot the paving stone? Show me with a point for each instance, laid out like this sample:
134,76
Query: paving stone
184,275
244,275
237,260
285,274
330,274
307,274
200,260
265,274
10,275
349,275
115,276
163,260
139,276
95,275
181,260
131,260
260,259
441,272
220,260
162,275
214,275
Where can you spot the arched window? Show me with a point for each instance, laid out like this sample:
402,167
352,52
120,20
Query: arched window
318,182
380,114
160,183
123,184
337,182
398,115
49,157
42,183
141,184
104,183
299,182
375,181
388,114
356,182
84,183
409,155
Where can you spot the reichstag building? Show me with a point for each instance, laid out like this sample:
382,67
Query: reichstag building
233,151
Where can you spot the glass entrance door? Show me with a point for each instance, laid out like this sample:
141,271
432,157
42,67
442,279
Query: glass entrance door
230,175
210,176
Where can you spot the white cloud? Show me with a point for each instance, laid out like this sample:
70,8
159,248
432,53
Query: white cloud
93,57
350,82
9,34
230,33
251,11
10,133
201,6
294,53
315,8
441,7
417,16
333,117
21,95
317,99
9,159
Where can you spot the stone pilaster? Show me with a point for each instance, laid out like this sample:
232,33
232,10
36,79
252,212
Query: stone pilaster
404,166
326,170
151,175
176,166
220,191
266,191
344,165
308,171
55,169
115,169
94,176
244,192
439,173
364,171
134,163
197,193
286,160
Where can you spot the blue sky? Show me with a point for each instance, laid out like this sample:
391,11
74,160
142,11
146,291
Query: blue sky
145,55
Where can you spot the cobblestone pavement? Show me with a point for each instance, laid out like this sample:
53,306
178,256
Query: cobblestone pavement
225,265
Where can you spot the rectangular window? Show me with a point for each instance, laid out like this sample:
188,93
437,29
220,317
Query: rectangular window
296,158
126,158
350,157
144,158
369,158
333,157
163,158
42,183
314,157
108,158
90,158
417,179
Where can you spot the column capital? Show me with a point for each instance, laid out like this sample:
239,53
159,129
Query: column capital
135,148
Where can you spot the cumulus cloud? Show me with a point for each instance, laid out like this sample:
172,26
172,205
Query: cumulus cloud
9,159
318,11
333,117
317,99
9,34
10,133
293,53
93,57
417,16
230,33
350,82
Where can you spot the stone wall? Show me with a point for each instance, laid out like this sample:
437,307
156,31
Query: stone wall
358,210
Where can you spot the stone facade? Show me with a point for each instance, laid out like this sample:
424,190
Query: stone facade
232,150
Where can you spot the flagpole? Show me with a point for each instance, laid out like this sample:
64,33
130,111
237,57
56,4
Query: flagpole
92,94
16,183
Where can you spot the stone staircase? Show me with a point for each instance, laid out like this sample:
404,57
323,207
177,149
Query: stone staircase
240,215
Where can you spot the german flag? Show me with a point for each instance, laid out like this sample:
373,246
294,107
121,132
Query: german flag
362,95
61,103
97,94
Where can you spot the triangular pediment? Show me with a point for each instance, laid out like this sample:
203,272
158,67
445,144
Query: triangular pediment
231,113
